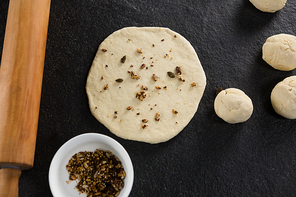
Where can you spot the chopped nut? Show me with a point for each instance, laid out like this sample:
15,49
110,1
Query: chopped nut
102,77
133,75
144,126
139,50
143,66
144,120
218,90
158,87
174,111
141,95
162,40
171,75
106,87
129,107
144,87
165,87
98,173
115,112
181,79
155,77
138,113
175,36
193,84
106,66
178,70
104,50
157,116
123,59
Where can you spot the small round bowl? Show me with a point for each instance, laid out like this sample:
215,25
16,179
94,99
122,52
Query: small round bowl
58,174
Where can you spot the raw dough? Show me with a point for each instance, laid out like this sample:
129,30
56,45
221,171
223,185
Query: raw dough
140,59
279,51
233,106
283,98
269,5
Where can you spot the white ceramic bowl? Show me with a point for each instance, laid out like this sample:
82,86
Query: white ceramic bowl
58,174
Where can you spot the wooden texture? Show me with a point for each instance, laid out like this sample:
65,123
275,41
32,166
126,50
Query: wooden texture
9,179
21,75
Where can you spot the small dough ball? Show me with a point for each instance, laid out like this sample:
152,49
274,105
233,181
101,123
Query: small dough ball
233,106
283,98
270,6
279,51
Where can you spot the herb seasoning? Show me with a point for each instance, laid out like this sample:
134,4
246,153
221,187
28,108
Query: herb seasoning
99,173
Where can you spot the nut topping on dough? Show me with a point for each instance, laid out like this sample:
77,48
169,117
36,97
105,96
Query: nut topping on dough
123,59
157,116
141,95
143,50
155,77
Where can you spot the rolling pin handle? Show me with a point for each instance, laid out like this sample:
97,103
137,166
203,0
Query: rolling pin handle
9,179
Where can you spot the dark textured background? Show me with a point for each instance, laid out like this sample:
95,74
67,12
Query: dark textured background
209,157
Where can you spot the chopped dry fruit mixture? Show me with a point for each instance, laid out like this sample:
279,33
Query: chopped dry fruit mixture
99,173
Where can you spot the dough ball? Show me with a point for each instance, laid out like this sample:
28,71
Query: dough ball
283,98
279,51
270,6
233,106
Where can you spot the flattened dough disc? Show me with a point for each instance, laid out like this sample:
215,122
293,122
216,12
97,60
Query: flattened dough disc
132,56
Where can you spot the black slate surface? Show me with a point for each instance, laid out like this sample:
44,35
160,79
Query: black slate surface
209,157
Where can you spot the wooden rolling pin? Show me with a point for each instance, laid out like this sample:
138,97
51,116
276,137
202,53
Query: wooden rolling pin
21,74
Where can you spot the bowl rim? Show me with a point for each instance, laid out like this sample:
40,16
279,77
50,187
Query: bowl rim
121,154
